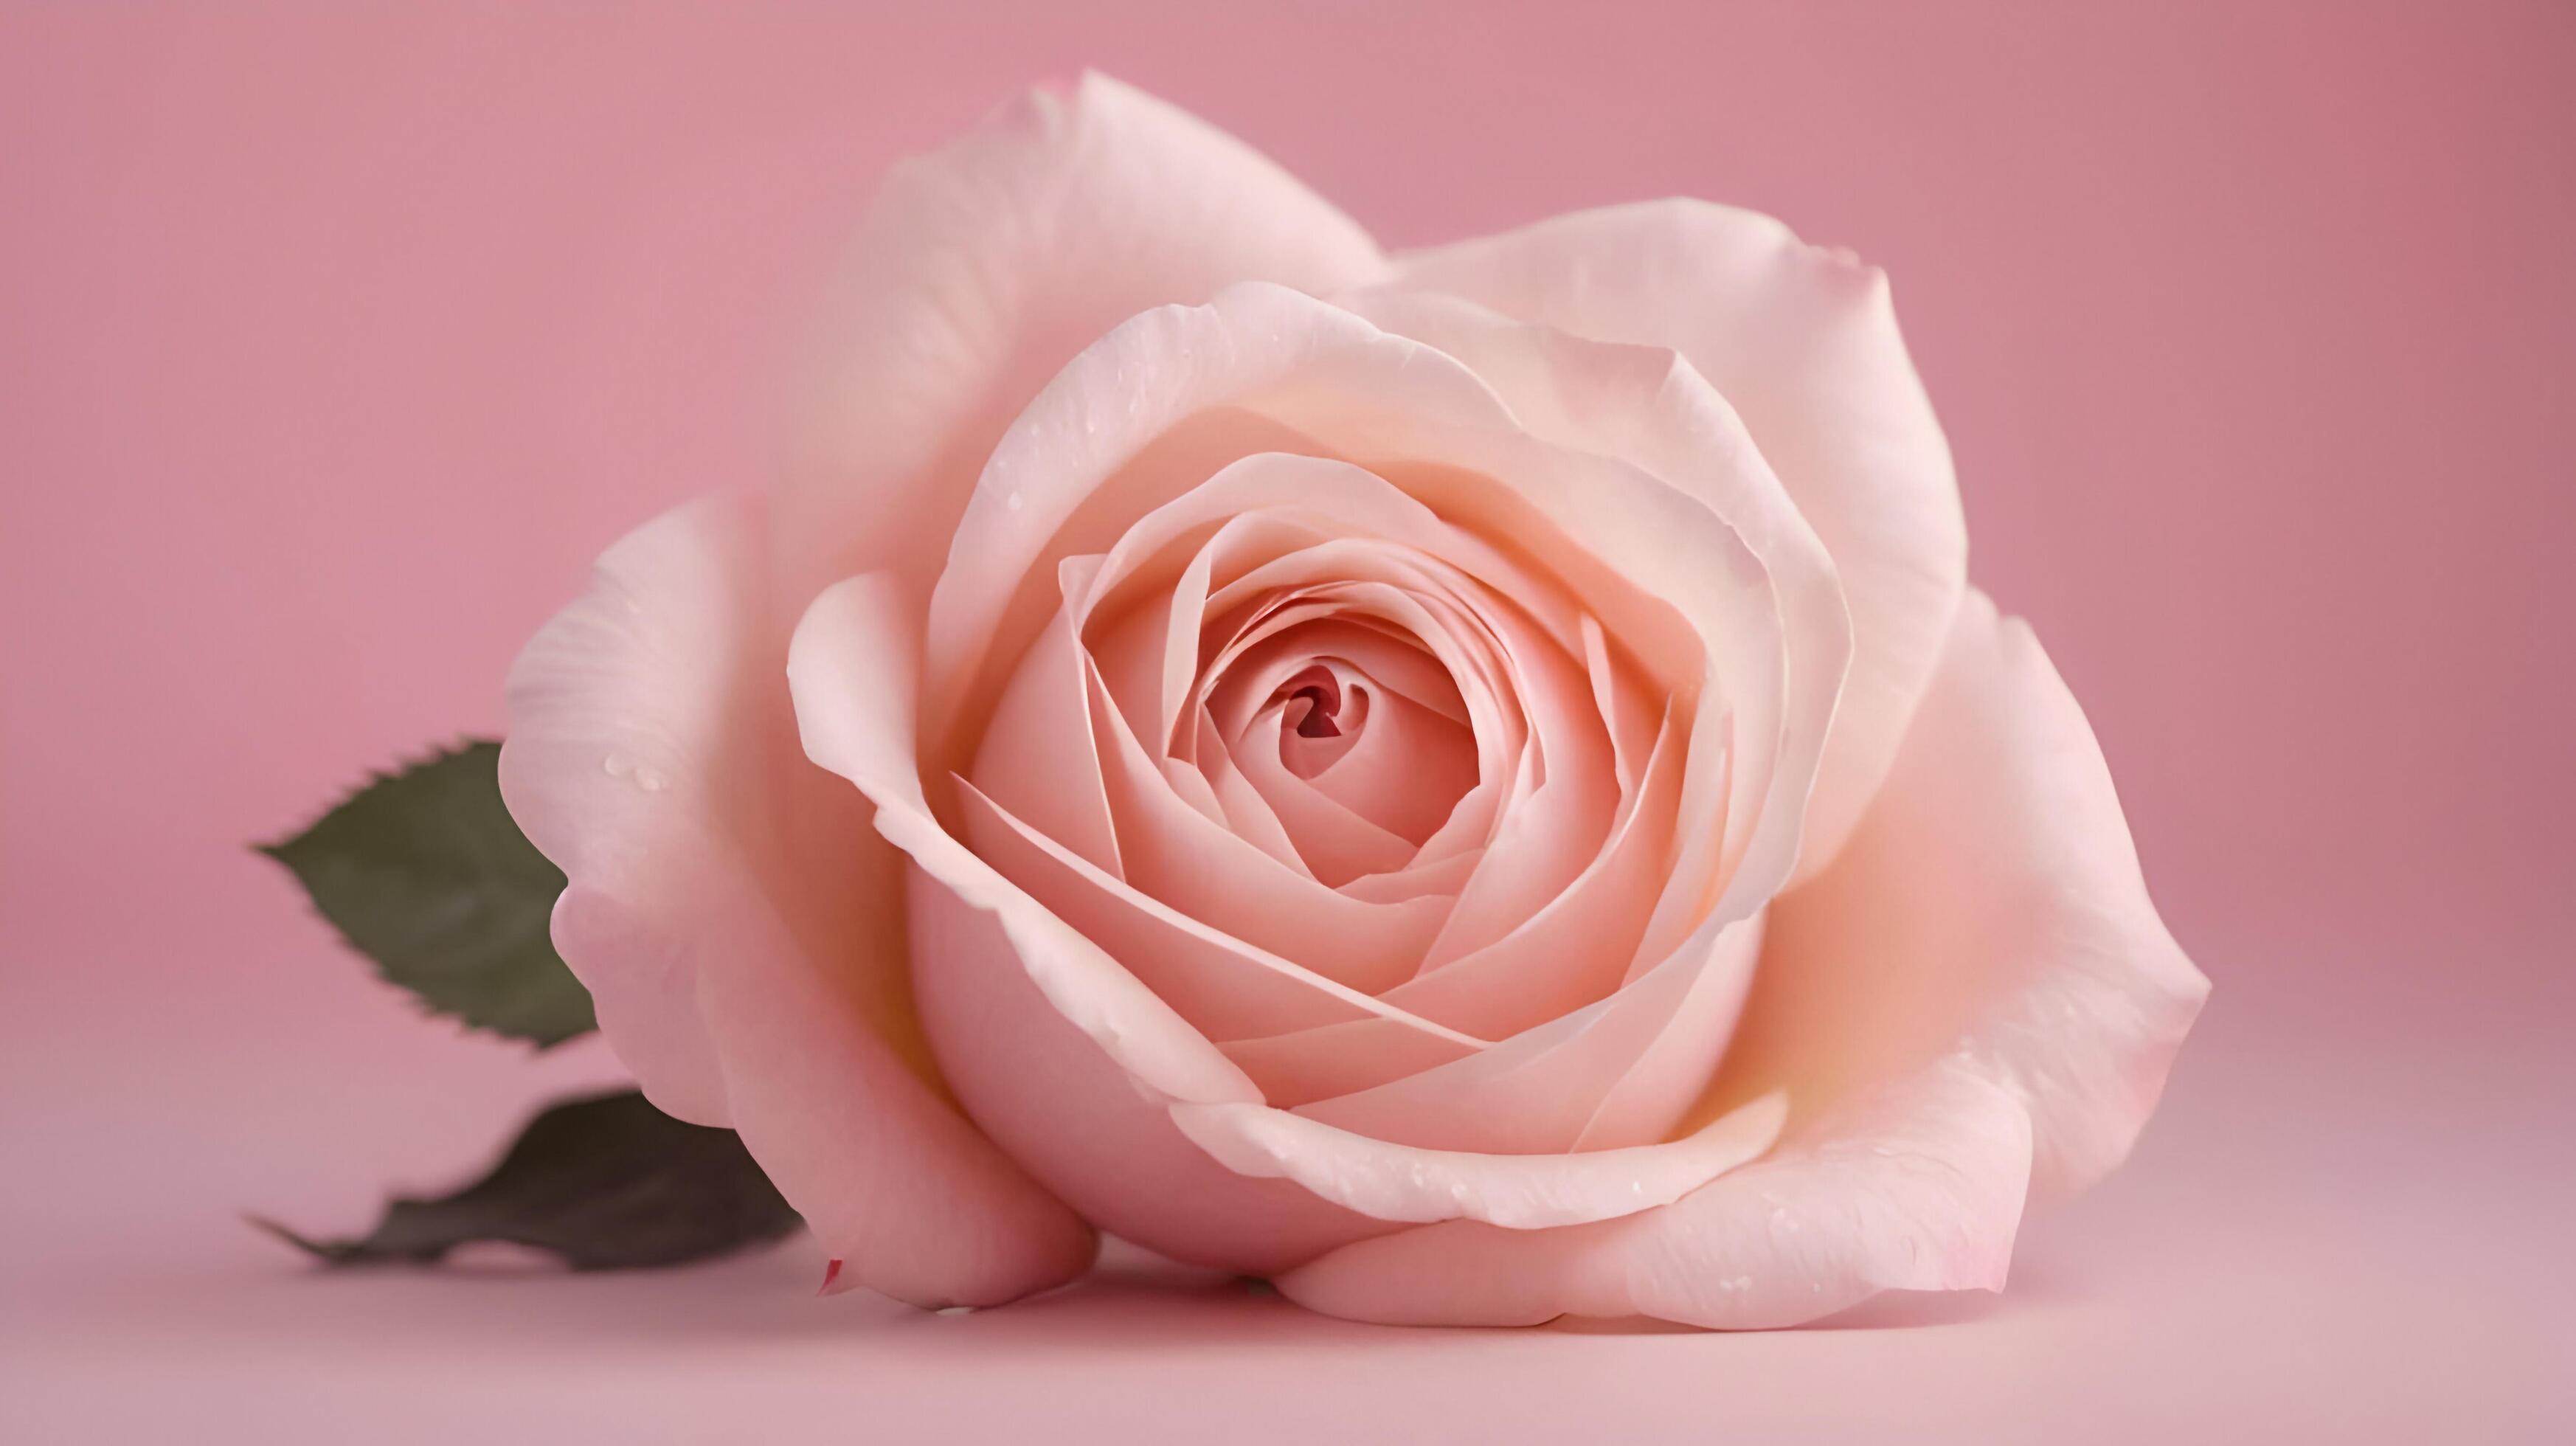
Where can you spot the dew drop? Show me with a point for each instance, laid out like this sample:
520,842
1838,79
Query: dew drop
1014,501
618,765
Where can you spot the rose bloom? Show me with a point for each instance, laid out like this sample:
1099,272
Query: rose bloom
1468,782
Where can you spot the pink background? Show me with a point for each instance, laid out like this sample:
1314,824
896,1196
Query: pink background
334,340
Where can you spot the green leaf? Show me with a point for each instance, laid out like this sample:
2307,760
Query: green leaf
605,1183
424,872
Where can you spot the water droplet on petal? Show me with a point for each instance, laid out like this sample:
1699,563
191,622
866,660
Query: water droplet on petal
618,765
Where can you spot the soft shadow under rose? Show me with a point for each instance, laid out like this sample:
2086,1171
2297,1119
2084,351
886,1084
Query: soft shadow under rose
1469,782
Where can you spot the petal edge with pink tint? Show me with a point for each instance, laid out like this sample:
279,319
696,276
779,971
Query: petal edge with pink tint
1991,898
1516,1191
1920,1189
649,757
982,268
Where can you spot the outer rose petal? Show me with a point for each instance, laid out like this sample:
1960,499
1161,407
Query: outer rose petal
650,755
982,270
1976,995
1921,1190
1803,343
1991,895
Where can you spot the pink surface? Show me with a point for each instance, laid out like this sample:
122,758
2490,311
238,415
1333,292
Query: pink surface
333,343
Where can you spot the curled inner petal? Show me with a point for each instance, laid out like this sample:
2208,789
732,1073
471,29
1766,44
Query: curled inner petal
1320,693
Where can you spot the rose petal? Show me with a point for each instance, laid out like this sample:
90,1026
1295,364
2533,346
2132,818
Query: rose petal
1026,1067
1407,772
1803,343
1202,869
911,1198
984,267
1338,843
1225,988
1920,1190
1498,731
1540,1090
1246,812
1326,1060
1626,710
1046,1084
1993,895
1040,757
650,757
1263,509
853,670
1576,947
666,607
1517,1192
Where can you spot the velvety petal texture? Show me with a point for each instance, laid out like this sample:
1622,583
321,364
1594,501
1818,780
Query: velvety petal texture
1472,784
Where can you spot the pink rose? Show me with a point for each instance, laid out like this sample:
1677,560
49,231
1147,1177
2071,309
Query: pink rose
1469,782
